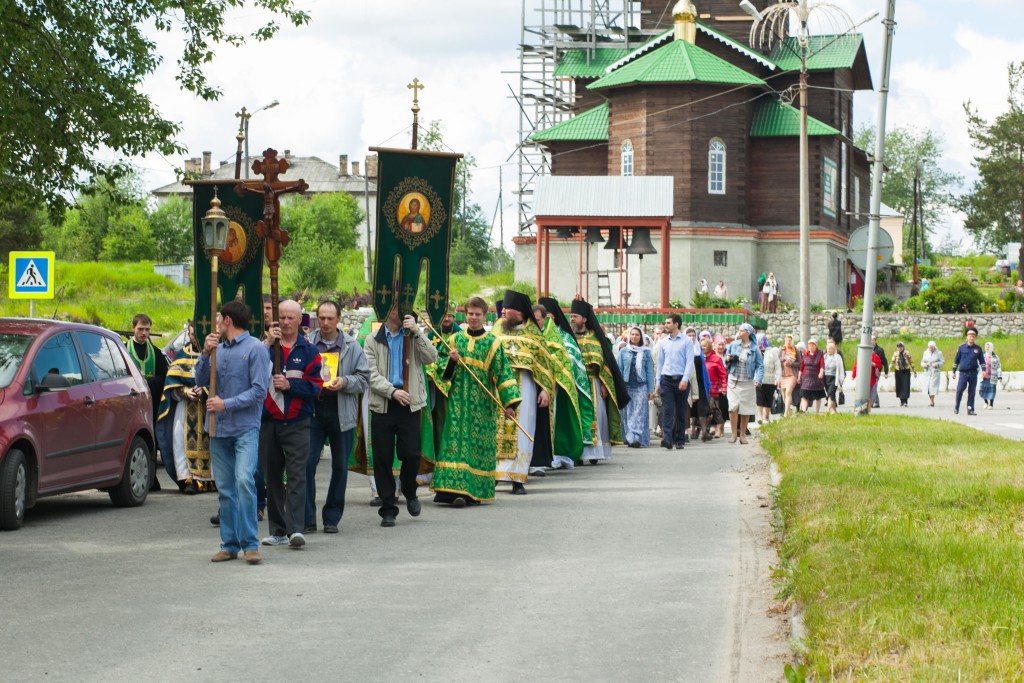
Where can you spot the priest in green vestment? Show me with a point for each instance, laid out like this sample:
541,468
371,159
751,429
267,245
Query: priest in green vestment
467,459
574,409
609,389
526,349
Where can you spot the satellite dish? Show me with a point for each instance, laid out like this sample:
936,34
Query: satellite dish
857,248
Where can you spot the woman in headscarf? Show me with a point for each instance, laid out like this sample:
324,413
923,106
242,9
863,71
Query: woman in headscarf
902,365
700,409
812,377
637,368
835,375
772,373
932,362
789,358
990,377
746,370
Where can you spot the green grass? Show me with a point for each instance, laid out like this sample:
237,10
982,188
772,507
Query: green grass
1010,349
903,544
110,294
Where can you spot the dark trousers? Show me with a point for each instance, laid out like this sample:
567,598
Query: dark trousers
284,448
324,426
395,433
673,410
968,381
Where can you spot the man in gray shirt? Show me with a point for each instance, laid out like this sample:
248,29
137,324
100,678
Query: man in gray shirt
243,376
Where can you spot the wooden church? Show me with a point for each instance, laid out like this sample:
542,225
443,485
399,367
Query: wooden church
716,121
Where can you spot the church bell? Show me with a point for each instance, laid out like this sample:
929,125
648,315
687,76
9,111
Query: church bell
641,243
593,235
613,239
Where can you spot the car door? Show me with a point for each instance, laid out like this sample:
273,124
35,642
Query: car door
115,399
61,419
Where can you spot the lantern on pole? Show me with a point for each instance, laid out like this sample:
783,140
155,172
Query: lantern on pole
216,227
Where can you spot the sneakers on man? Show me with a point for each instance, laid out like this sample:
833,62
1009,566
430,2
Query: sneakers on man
296,540
275,540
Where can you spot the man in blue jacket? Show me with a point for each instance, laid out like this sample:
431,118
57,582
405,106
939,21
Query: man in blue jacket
969,357
284,434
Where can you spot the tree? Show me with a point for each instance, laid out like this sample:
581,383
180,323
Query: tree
21,228
129,237
995,204
333,217
80,235
73,72
905,149
171,226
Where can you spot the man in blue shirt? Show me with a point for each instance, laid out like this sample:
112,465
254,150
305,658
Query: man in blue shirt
969,357
675,364
243,376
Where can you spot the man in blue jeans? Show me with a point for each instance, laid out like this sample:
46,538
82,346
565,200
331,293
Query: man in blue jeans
335,412
675,364
243,376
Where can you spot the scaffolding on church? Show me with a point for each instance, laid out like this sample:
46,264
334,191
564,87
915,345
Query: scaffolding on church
549,29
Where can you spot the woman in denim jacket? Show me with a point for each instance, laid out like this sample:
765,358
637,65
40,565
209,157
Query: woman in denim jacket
746,370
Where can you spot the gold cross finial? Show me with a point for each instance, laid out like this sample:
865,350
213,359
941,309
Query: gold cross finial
415,86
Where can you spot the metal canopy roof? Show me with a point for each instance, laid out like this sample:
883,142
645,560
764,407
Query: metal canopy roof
603,196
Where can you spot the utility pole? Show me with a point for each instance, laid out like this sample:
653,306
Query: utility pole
917,190
865,349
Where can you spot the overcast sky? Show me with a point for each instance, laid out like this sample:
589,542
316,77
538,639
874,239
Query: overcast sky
341,81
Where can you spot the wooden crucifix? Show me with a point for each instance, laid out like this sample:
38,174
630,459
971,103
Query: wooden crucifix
269,226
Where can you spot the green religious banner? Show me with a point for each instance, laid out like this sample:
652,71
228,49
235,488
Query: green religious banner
415,193
240,267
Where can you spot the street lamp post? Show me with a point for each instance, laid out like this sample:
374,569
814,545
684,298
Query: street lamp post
243,133
216,227
769,26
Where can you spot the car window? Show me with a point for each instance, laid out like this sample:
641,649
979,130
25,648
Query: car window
12,350
97,356
120,367
58,356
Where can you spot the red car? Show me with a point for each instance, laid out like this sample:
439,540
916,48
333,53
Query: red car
75,414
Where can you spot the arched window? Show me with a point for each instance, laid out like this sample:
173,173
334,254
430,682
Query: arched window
716,167
627,158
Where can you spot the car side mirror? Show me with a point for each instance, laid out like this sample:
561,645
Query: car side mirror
52,381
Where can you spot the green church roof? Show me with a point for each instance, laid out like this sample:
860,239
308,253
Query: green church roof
677,62
823,52
590,126
773,119
574,63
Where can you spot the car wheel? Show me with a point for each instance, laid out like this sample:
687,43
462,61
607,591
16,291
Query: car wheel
133,488
13,490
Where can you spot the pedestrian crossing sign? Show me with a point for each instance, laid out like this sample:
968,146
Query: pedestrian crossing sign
30,275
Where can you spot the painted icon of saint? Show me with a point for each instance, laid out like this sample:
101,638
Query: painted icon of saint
414,213
236,244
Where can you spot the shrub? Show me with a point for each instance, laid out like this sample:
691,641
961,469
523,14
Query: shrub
700,299
884,302
914,304
930,272
955,294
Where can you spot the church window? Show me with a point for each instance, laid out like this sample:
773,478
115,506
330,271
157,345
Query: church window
716,167
627,158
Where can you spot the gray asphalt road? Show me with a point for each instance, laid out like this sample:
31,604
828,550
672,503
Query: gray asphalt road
1005,419
650,567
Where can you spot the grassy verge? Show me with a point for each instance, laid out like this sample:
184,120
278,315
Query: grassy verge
110,294
903,543
1010,349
